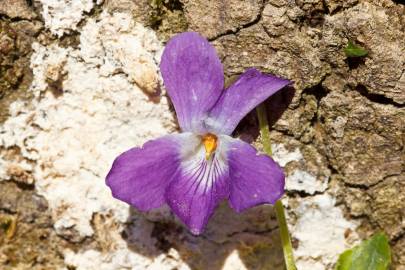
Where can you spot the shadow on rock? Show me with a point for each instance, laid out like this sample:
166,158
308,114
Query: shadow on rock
253,234
276,105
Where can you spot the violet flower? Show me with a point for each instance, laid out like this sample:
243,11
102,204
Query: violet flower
195,170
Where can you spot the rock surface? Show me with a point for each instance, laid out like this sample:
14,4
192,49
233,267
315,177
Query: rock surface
79,83
19,9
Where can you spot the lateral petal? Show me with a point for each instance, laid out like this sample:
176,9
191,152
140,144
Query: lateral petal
140,175
254,178
251,89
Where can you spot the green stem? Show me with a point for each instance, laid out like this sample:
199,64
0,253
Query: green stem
285,236
282,223
264,128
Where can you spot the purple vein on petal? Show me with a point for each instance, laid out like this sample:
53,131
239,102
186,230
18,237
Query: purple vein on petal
198,187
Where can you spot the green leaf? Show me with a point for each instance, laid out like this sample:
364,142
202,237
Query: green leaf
371,254
353,50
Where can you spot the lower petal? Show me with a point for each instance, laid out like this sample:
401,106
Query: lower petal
140,175
255,178
199,186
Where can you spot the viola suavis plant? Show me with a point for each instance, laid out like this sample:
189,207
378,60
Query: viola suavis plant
195,170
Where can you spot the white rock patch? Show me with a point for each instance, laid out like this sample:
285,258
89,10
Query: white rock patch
320,227
304,181
234,262
320,230
74,138
94,260
63,16
298,180
283,156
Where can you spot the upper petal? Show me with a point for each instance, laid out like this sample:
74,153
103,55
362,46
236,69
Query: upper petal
140,176
255,178
199,185
251,89
193,76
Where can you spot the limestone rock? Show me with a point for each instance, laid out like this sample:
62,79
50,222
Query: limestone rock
16,9
81,83
220,17
382,71
34,244
363,140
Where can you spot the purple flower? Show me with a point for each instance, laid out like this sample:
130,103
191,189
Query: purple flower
195,170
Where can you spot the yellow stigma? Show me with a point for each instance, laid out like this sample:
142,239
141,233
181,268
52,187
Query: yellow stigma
210,143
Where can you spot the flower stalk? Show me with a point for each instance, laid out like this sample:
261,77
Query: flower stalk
282,223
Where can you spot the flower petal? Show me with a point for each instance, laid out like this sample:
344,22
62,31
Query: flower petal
255,178
140,176
251,89
193,76
199,186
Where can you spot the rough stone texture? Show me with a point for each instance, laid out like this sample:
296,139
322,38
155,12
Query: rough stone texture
63,17
81,207
336,5
34,244
83,69
383,72
16,9
166,17
213,18
400,254
363,140
86,86
377,203
16,38
306,170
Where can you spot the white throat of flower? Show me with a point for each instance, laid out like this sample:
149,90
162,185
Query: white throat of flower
204,159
